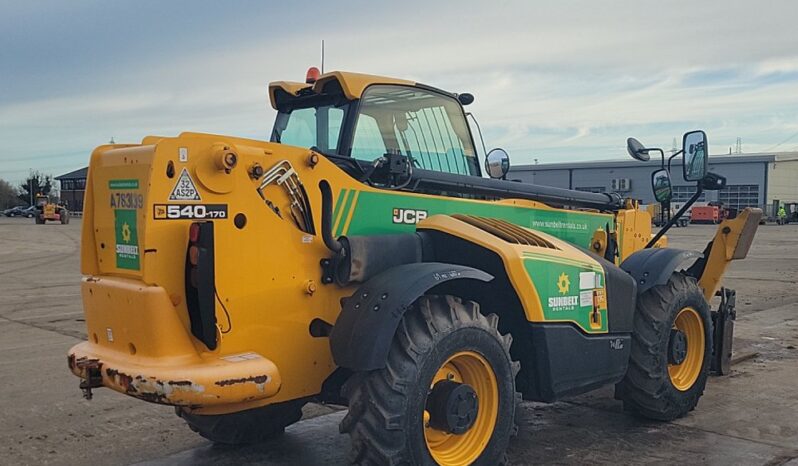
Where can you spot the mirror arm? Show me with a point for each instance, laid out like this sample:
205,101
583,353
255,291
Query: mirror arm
672,157
662,155
699,190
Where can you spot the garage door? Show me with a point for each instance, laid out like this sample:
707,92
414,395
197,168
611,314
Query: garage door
739,196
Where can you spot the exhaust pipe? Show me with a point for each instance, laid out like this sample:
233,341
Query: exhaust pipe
326,218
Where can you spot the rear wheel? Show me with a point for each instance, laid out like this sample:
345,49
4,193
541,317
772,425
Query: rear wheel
671,351
447,393
250,426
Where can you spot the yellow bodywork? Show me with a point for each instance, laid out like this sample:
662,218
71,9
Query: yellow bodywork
352,84
49,212
269,274
732,241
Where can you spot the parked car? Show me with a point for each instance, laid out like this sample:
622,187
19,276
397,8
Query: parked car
19,211
13,212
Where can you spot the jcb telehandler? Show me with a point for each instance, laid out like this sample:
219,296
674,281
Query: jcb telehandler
46,210
361,258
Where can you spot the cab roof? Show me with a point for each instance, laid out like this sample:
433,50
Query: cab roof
351,84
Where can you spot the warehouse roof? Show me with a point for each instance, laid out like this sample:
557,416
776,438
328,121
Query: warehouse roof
78,174
655,160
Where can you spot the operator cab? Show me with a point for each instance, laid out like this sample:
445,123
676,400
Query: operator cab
369,118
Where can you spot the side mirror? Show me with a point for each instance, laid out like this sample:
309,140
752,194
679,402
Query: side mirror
696,155
497,163
637,150
661,184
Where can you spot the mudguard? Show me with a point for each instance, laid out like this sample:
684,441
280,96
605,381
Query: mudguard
362,335
652,267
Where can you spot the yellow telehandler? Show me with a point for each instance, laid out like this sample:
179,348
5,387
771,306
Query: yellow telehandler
363,257
46,210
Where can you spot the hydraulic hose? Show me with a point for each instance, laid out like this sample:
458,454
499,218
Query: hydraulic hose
326,218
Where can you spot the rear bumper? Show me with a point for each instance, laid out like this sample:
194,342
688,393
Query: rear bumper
140,346
210,381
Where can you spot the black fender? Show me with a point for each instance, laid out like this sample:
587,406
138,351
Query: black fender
364,330
654,266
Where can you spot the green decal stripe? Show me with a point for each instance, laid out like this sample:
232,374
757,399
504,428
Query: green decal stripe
346,221
375,211
339,203
559,306
123,184
562,260
339,226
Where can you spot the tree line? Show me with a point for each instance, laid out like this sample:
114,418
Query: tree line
21,195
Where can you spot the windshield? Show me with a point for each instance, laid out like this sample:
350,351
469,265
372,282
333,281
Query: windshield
426,126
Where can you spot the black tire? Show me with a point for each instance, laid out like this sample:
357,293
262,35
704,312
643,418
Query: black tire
386,406
647,388
250,426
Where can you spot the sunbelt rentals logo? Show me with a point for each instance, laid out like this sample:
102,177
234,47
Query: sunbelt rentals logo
563,303
127,242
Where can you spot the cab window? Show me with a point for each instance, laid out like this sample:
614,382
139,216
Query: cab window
311,126
426,126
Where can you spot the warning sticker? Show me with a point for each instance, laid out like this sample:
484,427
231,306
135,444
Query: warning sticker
586,298
184,189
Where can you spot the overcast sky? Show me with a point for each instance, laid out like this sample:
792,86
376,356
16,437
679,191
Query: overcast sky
554,81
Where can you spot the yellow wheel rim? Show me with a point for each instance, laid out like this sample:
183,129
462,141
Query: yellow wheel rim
684,375
453,450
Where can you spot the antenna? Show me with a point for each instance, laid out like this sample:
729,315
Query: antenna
322,56
738,149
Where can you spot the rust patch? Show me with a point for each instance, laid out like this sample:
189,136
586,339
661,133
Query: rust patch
151,389
122,379
256,379
180,383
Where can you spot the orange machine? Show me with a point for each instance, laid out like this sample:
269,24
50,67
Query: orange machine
705,214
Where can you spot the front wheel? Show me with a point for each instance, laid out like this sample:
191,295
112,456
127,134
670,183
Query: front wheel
446,396
671,351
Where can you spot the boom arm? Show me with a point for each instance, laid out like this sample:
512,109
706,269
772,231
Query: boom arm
732,241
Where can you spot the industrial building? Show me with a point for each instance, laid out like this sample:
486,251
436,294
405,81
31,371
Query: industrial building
73,186
753,180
